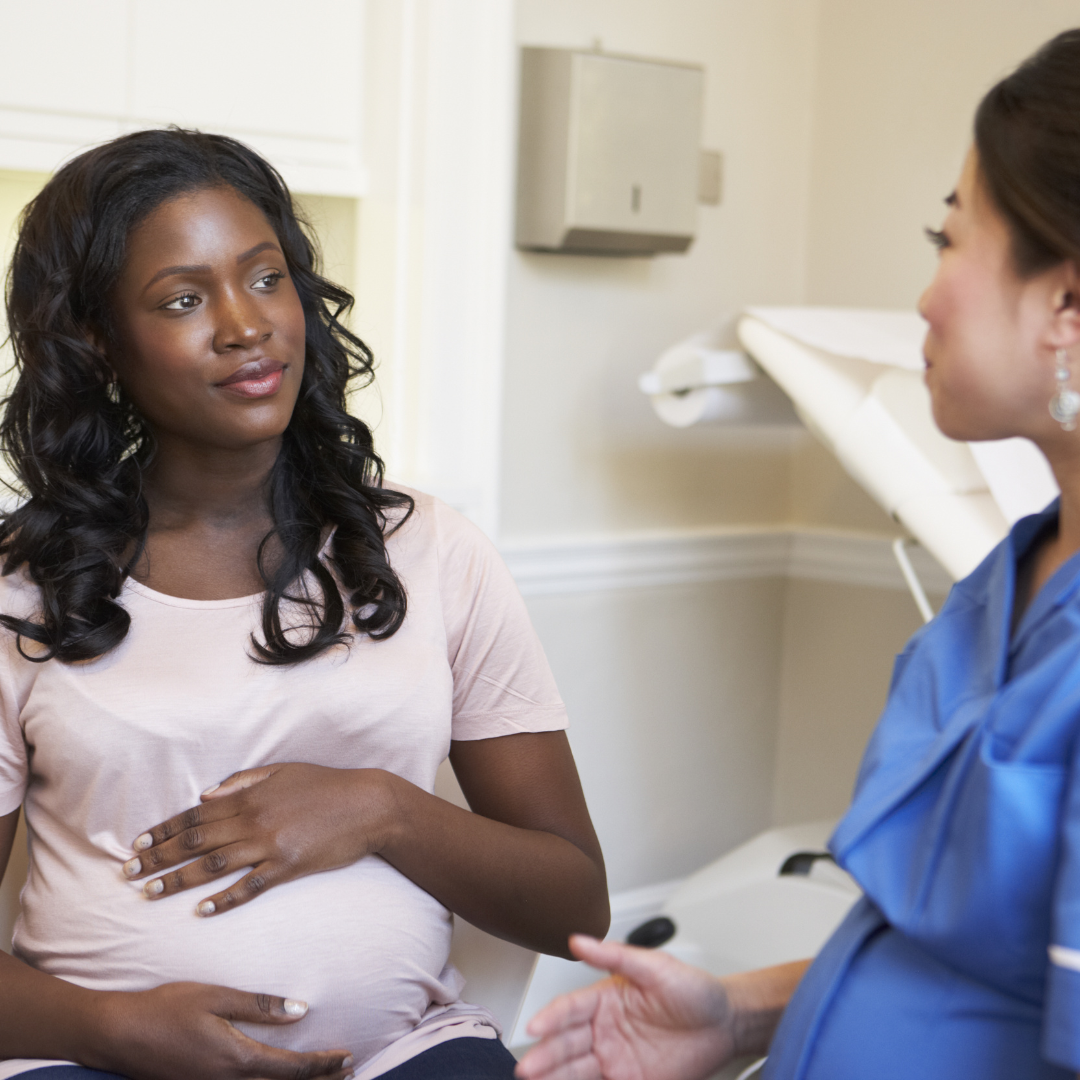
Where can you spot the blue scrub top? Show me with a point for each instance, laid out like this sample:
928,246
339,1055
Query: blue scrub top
963,958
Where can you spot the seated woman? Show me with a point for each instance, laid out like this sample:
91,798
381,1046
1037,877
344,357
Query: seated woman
963,958
233,661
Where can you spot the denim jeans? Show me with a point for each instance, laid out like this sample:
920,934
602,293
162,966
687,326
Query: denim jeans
455,1059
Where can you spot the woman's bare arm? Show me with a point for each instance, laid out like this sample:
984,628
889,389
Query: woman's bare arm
524,865
40,1014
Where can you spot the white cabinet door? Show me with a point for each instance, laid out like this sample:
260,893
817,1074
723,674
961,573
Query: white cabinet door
62,80
64,55
284,76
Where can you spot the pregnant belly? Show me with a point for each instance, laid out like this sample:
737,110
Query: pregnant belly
363,946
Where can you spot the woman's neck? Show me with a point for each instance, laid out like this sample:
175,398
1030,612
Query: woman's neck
1057,547
209,517
211,485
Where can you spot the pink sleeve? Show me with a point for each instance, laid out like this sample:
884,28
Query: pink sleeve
502,682
16,677
14,766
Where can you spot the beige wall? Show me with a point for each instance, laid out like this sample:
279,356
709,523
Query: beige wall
822,495
16,190
582,451
896,90
842,124
839,642
673,696
333,218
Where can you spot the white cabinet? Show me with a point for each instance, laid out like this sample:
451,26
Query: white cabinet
283,76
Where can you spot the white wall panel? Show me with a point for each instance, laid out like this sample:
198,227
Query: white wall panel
286,78
65,56
435,239
271,66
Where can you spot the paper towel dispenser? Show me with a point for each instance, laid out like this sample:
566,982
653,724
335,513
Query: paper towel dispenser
608,153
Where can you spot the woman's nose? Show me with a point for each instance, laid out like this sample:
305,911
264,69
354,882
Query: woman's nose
924,302
240,324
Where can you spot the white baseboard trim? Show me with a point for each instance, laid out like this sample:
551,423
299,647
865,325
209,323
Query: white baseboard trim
555,566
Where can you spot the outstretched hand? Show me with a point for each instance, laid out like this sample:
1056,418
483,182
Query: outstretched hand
284,821
656,1018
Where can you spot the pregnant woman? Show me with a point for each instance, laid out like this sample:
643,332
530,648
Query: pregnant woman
232,660
962,961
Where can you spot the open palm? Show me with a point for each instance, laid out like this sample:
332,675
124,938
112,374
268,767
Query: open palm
656,1018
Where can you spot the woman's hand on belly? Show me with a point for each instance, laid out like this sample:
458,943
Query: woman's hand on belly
174,1032
181,1030
524,865
284,821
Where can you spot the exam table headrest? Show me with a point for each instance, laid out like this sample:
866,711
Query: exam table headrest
856,379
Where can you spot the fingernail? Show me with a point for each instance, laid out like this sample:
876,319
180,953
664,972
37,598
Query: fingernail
347,1063
132,867
292,1006
143,842
211,789
154,888
208,907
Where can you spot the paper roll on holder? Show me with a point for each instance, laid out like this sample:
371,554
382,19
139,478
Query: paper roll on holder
702,379
697,366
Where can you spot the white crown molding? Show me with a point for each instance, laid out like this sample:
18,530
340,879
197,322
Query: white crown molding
546,567
41,140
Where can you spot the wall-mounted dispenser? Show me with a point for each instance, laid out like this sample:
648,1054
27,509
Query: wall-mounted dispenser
608,153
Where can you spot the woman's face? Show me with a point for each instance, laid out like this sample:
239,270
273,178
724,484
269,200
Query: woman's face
210,326
992,335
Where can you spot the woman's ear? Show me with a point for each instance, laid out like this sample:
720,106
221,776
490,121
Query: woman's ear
1065,319
95,338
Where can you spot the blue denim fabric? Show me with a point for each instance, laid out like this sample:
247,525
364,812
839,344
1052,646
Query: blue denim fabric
455,1059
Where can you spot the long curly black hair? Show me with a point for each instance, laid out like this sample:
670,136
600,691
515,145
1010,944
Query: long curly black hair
79,447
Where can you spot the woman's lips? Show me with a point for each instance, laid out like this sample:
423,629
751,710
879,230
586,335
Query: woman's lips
258,378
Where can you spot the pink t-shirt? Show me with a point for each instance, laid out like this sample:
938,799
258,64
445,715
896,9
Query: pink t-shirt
100,751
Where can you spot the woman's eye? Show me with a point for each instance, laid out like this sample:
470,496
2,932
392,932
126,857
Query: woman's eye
182,303
268,281
937,238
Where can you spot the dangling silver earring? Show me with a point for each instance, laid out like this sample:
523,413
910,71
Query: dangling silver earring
1065,404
